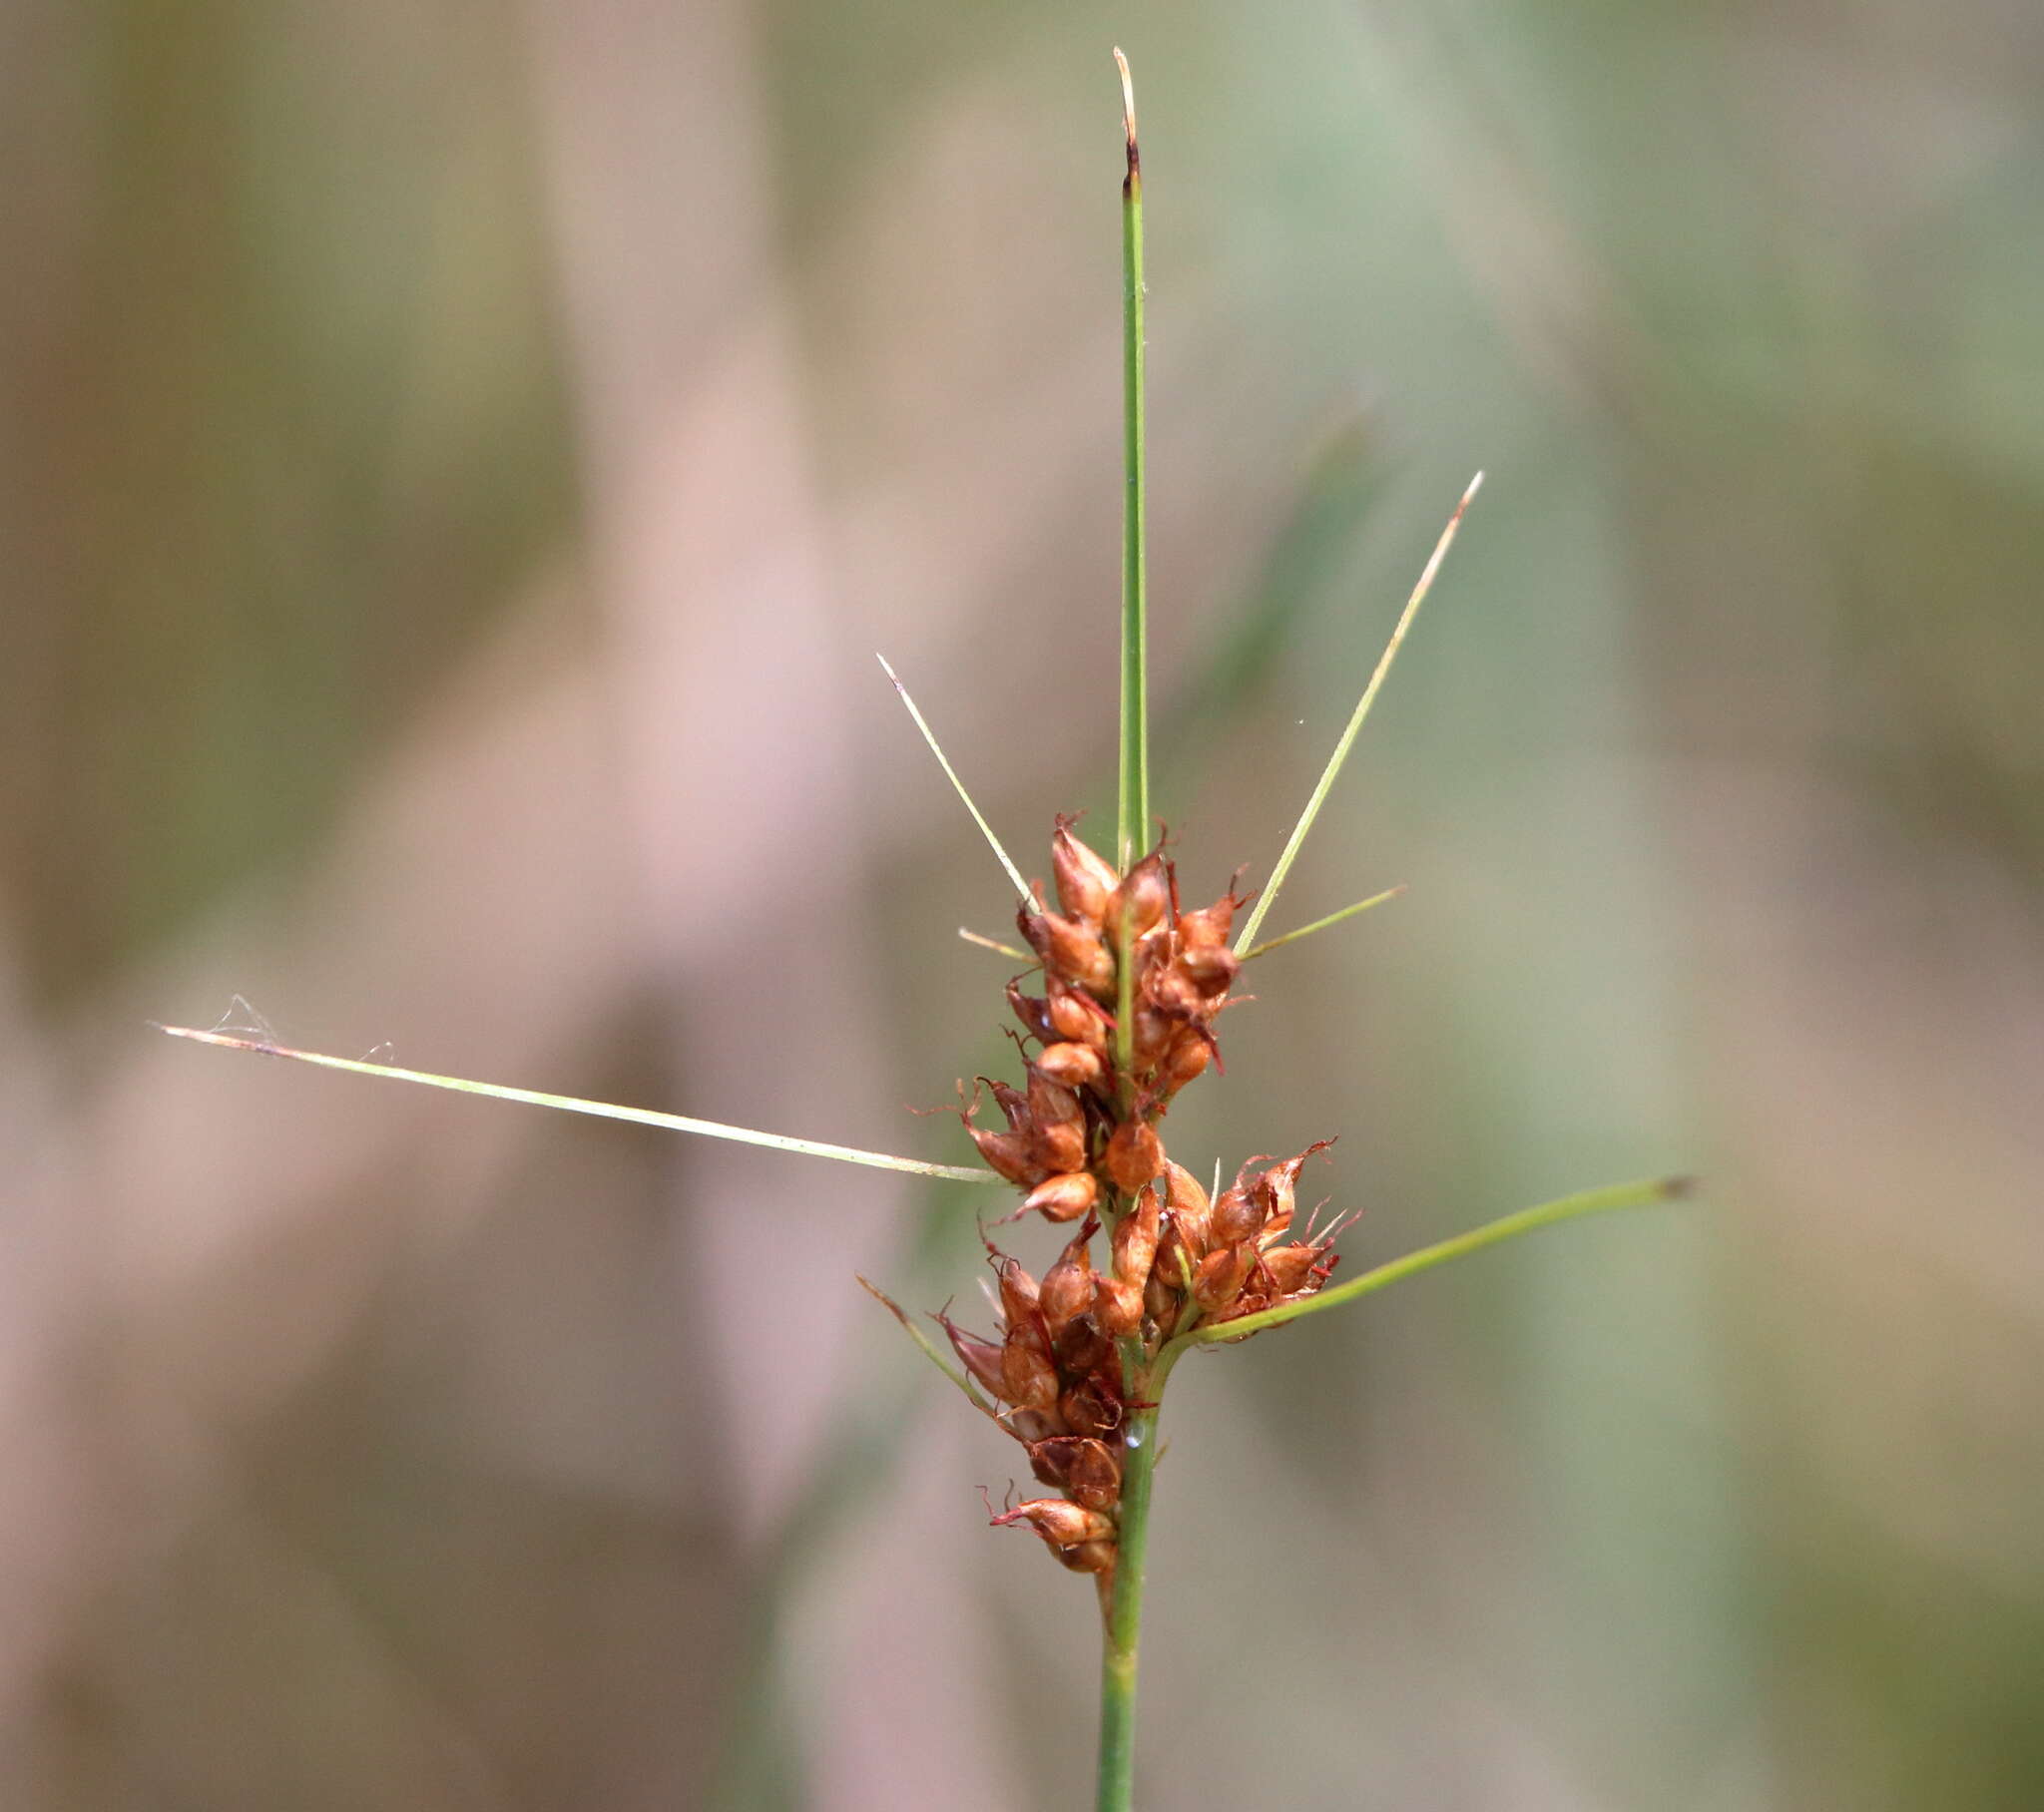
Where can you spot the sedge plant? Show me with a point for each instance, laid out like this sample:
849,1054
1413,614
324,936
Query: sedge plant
1116,1000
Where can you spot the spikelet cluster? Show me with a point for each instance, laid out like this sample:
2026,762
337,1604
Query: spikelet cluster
1081,1140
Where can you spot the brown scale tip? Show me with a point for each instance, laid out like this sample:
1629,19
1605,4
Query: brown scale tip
1135,177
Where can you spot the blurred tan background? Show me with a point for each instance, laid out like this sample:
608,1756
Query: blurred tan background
458,464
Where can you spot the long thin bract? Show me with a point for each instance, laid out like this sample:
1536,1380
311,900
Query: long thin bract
1246,941
958,786
602,1109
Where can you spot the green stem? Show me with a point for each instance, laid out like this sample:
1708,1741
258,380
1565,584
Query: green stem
1124,1627
1134,770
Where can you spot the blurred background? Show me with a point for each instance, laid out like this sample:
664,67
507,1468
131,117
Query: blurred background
459,463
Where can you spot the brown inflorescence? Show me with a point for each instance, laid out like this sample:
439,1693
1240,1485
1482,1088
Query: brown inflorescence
1082,1143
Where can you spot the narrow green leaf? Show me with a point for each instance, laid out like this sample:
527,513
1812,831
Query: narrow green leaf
1496,1232
929,1349
995,944
1246,941
1333,918
602,1109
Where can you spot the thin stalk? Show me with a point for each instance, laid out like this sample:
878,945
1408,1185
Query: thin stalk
1134,768
1332,771
573,1103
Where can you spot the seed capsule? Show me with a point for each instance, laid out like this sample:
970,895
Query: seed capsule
1050,1100
1174,994
980,1357
1067,1290
1210,967
1071,1064
1276,1188
1018,1290
1146,895
1084,1469
1190,1054
1060,1147
1078,1017
1220,1275
1028,1377
1013,1104
1135,1237
1185,1197
1118,1306
1071,950
1059,1523
1085,880
1081,1348
1010,1155
1134,1156
1238,1214
1033,1013
1028,1425
1088,1557
1155,1031
1064,1197
1161,1302
1090,1407
1290,1267
1208,928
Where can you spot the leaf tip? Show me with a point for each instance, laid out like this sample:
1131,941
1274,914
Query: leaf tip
1128,118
